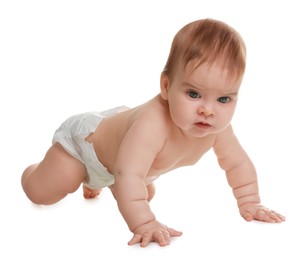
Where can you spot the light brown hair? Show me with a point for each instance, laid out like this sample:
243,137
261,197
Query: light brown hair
209,41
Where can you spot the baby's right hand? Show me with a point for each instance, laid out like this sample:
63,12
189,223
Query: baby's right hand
153,231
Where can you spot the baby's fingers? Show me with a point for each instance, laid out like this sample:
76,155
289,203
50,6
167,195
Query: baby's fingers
247,216
269,216
278,217
146,239
174,233
162,238
135,239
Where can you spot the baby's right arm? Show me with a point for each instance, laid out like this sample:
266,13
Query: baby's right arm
132,201
135,157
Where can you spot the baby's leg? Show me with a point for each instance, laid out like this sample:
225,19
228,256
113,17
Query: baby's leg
56,176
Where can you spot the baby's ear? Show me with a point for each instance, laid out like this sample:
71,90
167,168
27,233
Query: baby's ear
164,86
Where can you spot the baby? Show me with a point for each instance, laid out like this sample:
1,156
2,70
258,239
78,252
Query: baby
127,149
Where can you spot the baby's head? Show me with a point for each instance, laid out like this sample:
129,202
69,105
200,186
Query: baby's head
207,41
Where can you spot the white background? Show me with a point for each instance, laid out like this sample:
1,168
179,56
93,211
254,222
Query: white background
59,58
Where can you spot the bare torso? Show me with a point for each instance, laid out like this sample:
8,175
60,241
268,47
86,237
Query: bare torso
178,150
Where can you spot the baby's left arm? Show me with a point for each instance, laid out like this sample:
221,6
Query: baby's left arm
242,178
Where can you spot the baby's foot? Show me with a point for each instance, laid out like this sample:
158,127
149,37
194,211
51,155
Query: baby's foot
90,193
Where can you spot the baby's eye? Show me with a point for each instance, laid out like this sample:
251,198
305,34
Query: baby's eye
224,100
193,94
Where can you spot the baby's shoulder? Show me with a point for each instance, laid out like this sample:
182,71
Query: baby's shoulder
153,111
225,137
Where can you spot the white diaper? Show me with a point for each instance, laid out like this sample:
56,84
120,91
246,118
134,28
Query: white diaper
71,135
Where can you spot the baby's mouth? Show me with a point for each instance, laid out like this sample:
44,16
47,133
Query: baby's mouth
203,125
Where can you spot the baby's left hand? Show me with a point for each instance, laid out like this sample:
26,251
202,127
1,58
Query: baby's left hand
255,211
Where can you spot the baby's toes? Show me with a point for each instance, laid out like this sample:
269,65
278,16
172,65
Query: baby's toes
90,193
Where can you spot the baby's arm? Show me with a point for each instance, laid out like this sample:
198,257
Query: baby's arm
135,157
242,178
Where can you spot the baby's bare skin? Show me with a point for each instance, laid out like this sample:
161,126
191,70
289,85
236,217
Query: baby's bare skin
90,193
176,152
191,115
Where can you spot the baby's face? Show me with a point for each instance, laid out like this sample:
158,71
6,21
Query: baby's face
202,101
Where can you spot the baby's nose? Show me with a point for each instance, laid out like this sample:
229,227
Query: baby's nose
207,111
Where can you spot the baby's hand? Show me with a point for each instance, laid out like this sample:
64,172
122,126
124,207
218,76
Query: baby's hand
255,211
153,232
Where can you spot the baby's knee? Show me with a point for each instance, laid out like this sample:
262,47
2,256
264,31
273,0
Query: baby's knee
27,186
34,191
26,176
40,197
